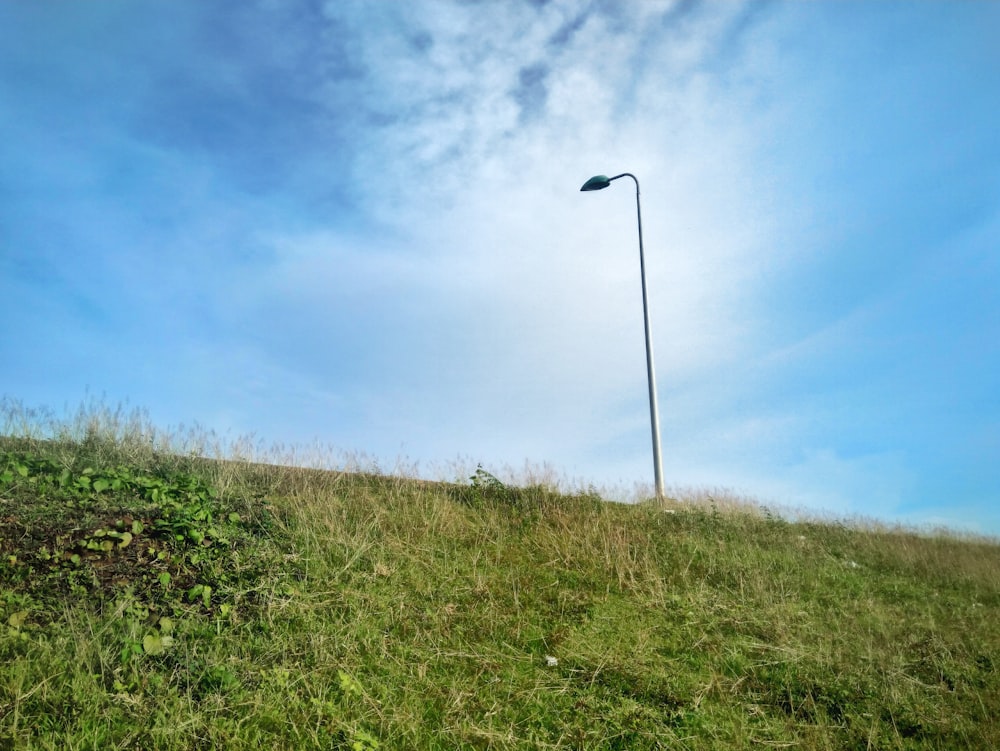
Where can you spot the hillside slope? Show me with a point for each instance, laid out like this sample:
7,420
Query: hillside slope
161,602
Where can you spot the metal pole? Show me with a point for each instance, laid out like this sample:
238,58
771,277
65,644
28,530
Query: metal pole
654,413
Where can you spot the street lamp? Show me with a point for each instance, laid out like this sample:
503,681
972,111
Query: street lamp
600,182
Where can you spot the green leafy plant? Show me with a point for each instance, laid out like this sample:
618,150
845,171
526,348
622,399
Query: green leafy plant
485,489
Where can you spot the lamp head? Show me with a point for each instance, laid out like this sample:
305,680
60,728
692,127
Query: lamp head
597,182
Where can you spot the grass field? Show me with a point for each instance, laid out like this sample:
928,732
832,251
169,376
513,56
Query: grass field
154,599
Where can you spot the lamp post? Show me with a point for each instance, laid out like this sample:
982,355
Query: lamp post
599,182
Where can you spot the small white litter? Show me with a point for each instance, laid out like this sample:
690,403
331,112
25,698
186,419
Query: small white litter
551,661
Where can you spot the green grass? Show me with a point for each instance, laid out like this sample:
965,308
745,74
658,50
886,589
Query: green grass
153,599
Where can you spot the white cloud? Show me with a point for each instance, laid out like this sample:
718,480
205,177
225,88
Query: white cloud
493,276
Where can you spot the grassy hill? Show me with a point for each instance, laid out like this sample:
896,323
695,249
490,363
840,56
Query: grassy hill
153,600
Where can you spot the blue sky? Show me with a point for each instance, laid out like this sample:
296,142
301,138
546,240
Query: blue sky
358,224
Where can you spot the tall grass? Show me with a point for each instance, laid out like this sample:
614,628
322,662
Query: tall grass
358,610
